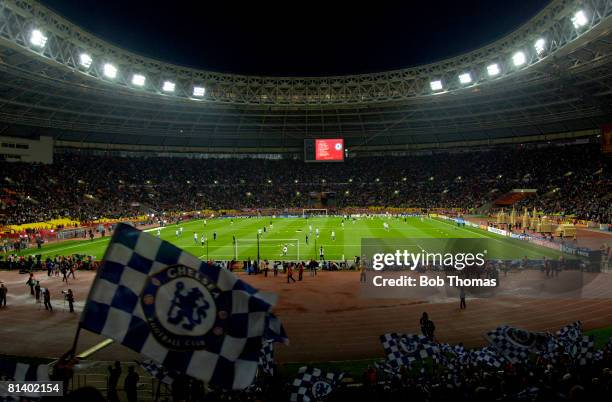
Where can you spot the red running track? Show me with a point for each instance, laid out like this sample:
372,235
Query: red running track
325,317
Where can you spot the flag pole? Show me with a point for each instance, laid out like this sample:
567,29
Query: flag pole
95,348
76,341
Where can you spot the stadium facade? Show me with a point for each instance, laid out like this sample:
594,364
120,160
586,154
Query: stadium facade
549,79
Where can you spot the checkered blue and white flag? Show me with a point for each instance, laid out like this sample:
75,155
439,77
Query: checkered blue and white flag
190,316
516,344
17,371
266,358
570,334
275,332
312,384
585,349
403,349
157,371
488,357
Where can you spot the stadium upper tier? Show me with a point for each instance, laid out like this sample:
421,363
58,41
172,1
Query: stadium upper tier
552,75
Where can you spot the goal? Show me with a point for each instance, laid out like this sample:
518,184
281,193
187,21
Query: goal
269,249
314,211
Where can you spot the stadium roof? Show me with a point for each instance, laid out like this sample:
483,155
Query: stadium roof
552,75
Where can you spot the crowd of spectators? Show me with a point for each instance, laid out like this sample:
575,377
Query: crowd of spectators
538,380
53,265
571,180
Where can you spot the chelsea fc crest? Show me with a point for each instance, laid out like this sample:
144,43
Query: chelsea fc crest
180,306
321,389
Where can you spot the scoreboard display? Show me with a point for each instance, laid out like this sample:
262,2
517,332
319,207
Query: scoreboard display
324,150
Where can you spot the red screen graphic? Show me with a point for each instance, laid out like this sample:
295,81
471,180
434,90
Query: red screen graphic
329,150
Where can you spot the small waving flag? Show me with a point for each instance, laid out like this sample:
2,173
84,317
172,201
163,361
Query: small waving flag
312,384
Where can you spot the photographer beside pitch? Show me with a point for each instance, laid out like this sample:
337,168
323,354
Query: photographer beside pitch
69,297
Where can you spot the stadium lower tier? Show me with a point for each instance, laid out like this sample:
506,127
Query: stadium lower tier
570,180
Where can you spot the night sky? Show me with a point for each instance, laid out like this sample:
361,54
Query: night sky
298,38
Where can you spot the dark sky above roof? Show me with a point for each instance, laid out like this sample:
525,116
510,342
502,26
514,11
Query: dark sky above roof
298,38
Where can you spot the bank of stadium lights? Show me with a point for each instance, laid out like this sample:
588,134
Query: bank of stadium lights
519,58
396,192
199,91
465,78
436,85
168,86
109,70
540,46
138,80
579,19
37,38
493,69
85,60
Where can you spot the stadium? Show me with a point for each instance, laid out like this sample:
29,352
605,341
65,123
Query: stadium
276,199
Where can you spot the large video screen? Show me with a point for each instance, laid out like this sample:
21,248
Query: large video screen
324,150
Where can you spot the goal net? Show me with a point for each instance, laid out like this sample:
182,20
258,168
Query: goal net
269,249
314,212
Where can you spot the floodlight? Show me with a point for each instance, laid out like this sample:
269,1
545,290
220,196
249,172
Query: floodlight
138,80
493,69
110,71
519,59
168,86
37,38
436,85
540,46
85,60
465,78
579,19
199,91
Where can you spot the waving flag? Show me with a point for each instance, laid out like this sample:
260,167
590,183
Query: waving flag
266,358
403,349
18,371
570,334
488,357
586,349
157,371
190,316
516,344
311,384
275,332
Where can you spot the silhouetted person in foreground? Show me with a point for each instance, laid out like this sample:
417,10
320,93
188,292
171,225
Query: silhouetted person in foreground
113,378
130,384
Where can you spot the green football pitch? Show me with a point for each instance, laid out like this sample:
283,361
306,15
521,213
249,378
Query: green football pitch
291,233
